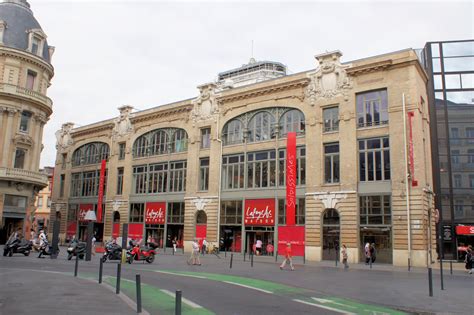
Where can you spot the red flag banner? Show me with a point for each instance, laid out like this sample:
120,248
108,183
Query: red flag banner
155,213
101,191
259,212
414,182
291,178
83,208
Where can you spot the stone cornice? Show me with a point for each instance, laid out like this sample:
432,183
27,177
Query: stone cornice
370,67
247,93
92,129
161,114
28,57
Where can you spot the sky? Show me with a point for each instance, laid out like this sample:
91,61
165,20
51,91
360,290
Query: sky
150,53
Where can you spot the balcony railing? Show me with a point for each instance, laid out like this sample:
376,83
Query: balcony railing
20,175
22,92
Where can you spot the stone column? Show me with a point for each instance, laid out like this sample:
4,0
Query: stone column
8,138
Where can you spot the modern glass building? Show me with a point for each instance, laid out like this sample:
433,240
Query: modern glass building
450,66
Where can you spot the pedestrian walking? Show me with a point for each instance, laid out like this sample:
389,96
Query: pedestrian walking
344,256
204,247
174,244
288,257
469,259
258,247
373,252
93,245
194,259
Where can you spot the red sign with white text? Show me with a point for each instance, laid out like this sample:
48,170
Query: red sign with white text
259,212
83,208
135,231
101,191
295,236
155,213
291,178
464,230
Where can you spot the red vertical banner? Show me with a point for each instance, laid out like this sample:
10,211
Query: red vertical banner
414,182
290,178
101,191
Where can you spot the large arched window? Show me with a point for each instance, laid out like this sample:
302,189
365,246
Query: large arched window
90,153
232,132
292,121
161,141
261,127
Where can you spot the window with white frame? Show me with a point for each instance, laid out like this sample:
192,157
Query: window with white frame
25,120
372,108
331,119
374,159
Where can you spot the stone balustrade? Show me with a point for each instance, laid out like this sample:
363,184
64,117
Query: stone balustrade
21,175
26,93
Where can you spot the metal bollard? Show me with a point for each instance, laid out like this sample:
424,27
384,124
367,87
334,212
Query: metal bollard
231,258
183,249
76,265
177,309
370,262
251,259
451,267
139,293
430,281
336,259
101,267
244,254
119,273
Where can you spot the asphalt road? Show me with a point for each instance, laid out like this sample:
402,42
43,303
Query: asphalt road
265,289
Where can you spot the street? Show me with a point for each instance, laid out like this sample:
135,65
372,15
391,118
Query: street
215,288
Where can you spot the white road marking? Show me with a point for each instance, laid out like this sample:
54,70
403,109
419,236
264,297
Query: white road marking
325,307
179,274
332,302
248,287
188,302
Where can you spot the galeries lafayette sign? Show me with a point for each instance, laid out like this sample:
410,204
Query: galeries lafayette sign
259,212
155,213
464,230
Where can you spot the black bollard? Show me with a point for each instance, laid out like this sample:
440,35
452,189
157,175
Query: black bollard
409,264
119,273
177,309
244,255
173,251
76,265
430,280
231,258
251,259
451,267
370,262
101,267
183,249
139,294
336,258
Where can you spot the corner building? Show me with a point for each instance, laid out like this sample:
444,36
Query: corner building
204,167
25,75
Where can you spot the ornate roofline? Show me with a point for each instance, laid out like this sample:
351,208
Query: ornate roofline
161,114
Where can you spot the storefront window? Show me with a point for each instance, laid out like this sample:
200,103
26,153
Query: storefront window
372,108
91,153
261,169
299,211
374,159
231,212
233,172
137,212
176,212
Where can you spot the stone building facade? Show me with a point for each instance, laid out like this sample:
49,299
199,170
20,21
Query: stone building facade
25,75
214,166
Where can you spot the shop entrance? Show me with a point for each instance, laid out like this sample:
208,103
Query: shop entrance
155,233
10,225
331,234
231,238
381,237
174,231
259,233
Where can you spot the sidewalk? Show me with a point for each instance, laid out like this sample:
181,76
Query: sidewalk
43,292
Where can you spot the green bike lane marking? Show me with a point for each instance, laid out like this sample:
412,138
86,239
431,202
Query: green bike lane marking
339,305
155,300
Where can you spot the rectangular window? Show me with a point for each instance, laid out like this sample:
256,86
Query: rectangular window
25,121
35,43
40,201
137,212
331,163
63,160
20,155
457,181
261,169
331,119
471,181
374,159
205,138
470,156
139,179
12,201
233,172
30,80
176,212
372,108
455,156
299,211
119,180
300,167
86,184
231,212
375,210
62,179
49,202
177,176
121,151
72,213
204,174
158,178
459,209
470,135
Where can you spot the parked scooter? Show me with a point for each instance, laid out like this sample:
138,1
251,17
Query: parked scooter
76,248
113,251
146,253
47,249
17,246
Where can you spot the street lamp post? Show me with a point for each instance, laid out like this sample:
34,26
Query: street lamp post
90,218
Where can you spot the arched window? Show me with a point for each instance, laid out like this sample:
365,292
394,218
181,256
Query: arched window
232,132
116,217
90,153
292,121
261,127
161,141
201,217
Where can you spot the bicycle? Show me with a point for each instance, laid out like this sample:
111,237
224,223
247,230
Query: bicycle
213,249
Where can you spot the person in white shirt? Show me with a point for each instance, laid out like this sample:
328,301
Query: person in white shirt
42,238
194,259
204,247
258,247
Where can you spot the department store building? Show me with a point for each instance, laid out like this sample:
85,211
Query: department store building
214,166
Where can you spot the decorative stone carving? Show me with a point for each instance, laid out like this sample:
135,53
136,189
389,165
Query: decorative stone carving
205,105
63,136
200,203
330,78
123,125
331,199
23,139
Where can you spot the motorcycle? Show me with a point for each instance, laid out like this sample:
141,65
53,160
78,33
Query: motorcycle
47,250
17,246
142,254
76,248
113,251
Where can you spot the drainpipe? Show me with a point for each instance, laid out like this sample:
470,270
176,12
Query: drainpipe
219,186
407,179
